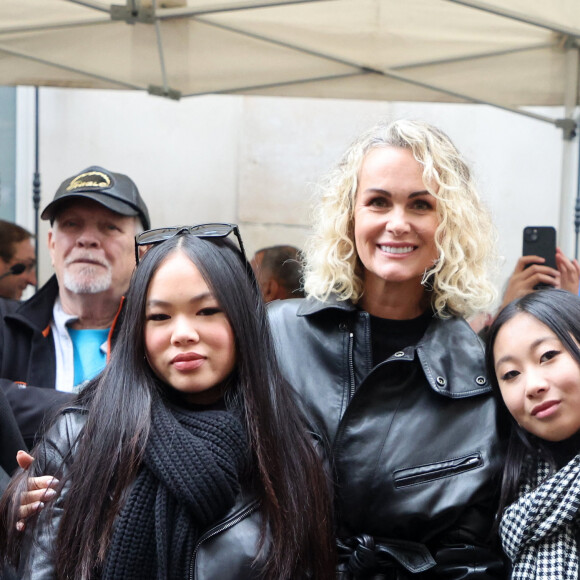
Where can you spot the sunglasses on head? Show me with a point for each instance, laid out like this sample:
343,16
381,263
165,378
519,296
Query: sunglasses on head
160,235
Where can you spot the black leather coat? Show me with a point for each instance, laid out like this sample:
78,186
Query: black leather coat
412,440
28,360
223,552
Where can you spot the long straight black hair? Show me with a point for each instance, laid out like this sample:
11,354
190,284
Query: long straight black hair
287,471
559,310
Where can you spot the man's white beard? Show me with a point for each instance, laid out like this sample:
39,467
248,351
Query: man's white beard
91,279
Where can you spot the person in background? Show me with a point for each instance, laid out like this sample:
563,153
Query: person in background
54,342
17,260
187,456
530,271
390,372
533,359
279,272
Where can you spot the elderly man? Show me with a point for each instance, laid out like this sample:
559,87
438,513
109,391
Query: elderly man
54,342
17,260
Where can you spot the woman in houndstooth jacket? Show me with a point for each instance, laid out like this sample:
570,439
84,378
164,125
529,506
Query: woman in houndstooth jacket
533,359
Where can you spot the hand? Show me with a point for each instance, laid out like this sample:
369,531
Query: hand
24,459
40,489
569,272
523,279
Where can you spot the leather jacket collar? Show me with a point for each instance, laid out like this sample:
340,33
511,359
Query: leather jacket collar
36,312
450,376
311,306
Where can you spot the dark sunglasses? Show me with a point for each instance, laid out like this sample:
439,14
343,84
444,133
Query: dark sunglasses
160,235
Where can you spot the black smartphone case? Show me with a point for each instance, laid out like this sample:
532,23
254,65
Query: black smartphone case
540,241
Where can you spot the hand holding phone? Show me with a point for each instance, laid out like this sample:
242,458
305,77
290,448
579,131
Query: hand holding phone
569,272
540,241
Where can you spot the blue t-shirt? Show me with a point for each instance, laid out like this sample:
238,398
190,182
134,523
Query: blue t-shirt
89,359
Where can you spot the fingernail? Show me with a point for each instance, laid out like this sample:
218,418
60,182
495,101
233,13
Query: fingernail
49,493
40,505
19,526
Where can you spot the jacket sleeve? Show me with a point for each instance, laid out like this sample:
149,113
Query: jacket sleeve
470,562
33,407
10,440
462,556
38,557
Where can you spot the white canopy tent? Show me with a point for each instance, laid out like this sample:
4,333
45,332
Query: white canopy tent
513,54
508,53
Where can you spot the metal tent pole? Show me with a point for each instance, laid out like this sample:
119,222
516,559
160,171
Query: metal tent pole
577,209
568,186
36,179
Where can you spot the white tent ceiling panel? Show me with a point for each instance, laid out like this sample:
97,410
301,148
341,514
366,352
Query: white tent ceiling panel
30,72
386,32
557,14
492,78
362,86
30,14
198,56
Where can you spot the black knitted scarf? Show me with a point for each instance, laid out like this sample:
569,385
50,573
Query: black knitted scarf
189,479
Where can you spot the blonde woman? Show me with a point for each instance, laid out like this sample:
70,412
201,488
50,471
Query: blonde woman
390,372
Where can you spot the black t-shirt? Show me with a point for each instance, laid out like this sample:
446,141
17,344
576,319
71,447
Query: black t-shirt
389,336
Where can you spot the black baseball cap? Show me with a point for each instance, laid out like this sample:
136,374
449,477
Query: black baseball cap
115,191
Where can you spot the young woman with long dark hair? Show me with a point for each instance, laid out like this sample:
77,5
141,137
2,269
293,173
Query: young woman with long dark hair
186,457
533,357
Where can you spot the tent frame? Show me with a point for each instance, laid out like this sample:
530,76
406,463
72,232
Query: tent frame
134,11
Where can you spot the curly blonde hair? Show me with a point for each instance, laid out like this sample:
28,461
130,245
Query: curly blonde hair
465,237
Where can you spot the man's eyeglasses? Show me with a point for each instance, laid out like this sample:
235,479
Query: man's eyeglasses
159,235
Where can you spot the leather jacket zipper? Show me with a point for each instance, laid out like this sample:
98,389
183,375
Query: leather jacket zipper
426,473
236,519
351,365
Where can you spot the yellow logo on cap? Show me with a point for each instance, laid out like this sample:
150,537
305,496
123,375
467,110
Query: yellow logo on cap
90,179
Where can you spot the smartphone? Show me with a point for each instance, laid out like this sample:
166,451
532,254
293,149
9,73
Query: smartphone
540,241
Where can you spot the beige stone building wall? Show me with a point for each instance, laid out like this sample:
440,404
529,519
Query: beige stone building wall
255,160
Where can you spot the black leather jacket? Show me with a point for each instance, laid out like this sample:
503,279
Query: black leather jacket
28,361
223,552
412,440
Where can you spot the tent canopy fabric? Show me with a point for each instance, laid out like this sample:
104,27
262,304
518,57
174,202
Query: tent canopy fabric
508,53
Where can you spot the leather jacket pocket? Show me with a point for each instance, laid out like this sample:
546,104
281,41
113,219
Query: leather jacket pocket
439,470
